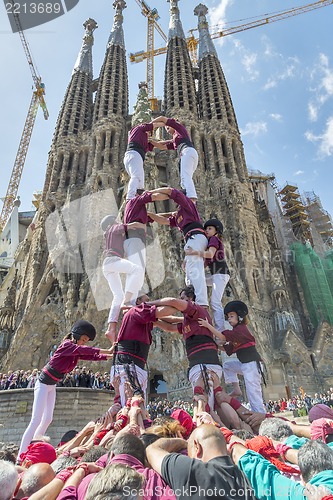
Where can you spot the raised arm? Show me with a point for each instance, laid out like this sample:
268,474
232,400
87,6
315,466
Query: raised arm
160,219
178,304
167,327
160,119
159,144
161,448
206,324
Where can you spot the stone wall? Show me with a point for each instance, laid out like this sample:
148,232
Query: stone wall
74,408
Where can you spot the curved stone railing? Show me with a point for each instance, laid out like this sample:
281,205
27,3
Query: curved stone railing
74,408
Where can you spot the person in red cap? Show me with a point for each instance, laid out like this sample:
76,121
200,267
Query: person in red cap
63,361
39,452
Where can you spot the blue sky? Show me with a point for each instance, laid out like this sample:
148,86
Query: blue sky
280,77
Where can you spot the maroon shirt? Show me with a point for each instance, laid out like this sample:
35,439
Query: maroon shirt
199,341
187,212
137,324
179,134
138,134
68,354
190,325
217,264
114,240
136,211
239,337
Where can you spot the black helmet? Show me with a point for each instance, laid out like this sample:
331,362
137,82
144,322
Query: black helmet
238,307
83,327
215,223
107,221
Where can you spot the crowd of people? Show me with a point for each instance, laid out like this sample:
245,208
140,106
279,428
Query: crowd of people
127,454
211,447
80,377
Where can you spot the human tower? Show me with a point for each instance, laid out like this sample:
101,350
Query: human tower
125,253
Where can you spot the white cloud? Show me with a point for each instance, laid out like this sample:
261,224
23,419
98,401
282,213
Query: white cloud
313,112
248,59
276,116
323,89
325,140
254,128
299,172
288,71
217,15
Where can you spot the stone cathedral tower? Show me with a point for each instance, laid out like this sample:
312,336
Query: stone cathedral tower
48,290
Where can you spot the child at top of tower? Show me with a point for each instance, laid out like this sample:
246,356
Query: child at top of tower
240,340
188,156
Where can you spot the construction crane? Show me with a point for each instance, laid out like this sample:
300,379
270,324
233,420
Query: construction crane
192,42
36,101
152,24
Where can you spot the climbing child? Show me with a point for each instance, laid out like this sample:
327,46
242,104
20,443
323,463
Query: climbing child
240,340
63,361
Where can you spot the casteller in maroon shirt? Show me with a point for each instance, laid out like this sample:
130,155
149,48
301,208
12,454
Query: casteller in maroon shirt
199,342
114,240
187,217
136,211
134,337
241,341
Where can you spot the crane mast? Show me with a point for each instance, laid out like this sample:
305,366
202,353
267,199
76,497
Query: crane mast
152,25
36,101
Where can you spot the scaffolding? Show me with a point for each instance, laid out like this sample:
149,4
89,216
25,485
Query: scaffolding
319,217
295,211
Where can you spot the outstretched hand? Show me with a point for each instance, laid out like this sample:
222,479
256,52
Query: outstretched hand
203,322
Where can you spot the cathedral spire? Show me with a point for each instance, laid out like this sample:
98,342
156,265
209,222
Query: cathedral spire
206,45
84,60
68,157
117,32
175,25
179,86
112,91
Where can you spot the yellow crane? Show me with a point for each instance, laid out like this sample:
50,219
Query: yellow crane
36,101
152,24
192,42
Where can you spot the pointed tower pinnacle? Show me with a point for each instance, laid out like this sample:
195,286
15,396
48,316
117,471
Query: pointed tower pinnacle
206,45
117,33
84,60
69,150
142,109
179,86
175,25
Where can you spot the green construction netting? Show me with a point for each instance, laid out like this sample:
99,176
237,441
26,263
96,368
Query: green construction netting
315,275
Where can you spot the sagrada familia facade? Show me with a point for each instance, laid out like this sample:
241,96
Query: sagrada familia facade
56,276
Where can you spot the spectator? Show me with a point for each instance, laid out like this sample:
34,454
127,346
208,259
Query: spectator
207,468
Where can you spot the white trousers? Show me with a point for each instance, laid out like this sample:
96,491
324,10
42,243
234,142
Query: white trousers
112,268
195,270
42,414
135,250
252,379
218,282
119,371
133,163
188,165
195,375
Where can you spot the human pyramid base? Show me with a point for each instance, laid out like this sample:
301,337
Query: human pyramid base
216,413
